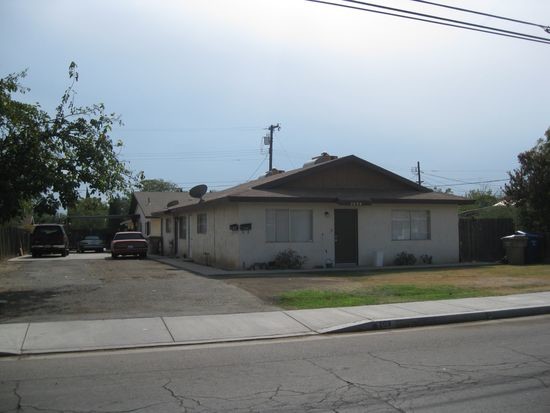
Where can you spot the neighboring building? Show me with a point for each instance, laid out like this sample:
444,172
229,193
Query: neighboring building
142,205
335,211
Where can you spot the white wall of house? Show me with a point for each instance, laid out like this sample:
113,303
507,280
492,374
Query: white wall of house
254,248
168,235
155,227
375,234
224,248
142,223
219,245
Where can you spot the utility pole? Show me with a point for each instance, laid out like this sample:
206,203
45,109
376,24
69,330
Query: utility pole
271,129
418,171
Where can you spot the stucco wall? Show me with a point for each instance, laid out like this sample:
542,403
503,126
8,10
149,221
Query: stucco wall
374,234
374,228
155,227
242,249
255,249
219,246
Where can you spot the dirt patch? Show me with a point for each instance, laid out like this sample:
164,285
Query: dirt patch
93,286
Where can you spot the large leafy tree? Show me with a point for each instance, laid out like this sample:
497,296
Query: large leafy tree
82,213
158,185
529,186
44,159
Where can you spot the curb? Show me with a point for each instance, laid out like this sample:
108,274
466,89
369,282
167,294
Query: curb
361,326
440,319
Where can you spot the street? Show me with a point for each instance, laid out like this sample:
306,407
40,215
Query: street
496,366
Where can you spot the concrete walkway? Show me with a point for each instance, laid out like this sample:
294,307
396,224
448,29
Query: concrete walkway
214,272
70,336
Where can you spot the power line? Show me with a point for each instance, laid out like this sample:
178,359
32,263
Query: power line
462,25
446,19
543,27
479,182
190,129
443,177
256,170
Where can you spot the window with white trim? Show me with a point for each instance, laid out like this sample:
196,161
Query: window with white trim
289,225
148,228
410,225
202,224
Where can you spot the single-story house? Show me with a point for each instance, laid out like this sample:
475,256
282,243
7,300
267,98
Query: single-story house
143,204
335,211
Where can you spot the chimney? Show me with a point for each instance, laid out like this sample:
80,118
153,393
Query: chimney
274,171
324,157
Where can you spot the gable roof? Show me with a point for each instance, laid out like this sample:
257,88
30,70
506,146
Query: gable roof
156,201
291,186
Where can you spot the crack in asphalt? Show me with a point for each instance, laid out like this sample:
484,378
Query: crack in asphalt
352,385
23,407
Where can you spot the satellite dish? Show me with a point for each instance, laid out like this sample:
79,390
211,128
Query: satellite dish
198,191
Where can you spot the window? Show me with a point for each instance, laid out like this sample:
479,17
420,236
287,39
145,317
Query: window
182,230
201,224
168,225
284,225
148,228
410,225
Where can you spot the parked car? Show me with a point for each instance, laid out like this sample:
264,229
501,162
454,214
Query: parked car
48,239
129,243
91,243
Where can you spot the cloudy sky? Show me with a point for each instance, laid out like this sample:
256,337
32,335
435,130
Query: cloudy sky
197,82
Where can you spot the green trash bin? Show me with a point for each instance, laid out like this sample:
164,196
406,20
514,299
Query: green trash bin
515,246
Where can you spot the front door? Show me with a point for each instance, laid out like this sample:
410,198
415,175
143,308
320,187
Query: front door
345,236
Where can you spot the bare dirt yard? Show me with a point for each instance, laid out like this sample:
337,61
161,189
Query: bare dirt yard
94,286
395,285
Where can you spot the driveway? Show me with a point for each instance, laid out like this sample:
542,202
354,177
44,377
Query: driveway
94,286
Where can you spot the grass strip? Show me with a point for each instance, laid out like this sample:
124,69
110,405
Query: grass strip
384,294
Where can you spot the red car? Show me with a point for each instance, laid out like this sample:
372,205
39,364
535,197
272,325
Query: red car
129,243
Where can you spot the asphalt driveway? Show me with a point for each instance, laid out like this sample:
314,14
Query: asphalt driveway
94,286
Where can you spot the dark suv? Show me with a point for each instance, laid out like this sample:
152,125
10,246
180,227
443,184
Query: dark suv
48,239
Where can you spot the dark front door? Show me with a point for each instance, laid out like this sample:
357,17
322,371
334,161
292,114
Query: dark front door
345,236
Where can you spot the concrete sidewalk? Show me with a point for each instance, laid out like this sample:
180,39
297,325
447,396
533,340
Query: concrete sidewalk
70,336
214,272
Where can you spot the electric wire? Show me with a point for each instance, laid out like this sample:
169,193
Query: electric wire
256,170
445,19
495,31
431,3
478,182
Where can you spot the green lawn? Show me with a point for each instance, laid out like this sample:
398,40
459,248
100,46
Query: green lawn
383,294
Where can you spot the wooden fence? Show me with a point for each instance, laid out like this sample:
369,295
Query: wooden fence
12,241
480,238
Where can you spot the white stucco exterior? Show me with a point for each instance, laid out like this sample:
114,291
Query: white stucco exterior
224,248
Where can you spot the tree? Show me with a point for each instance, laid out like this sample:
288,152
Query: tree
529,186
158,185
44,159
88,207
118,205
483,198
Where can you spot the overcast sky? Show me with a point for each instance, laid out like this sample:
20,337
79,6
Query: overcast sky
197,81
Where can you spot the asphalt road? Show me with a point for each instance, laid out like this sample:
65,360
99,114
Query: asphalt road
499,366
94,286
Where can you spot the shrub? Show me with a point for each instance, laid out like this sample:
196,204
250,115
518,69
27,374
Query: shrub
289,259
426,259
404,258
